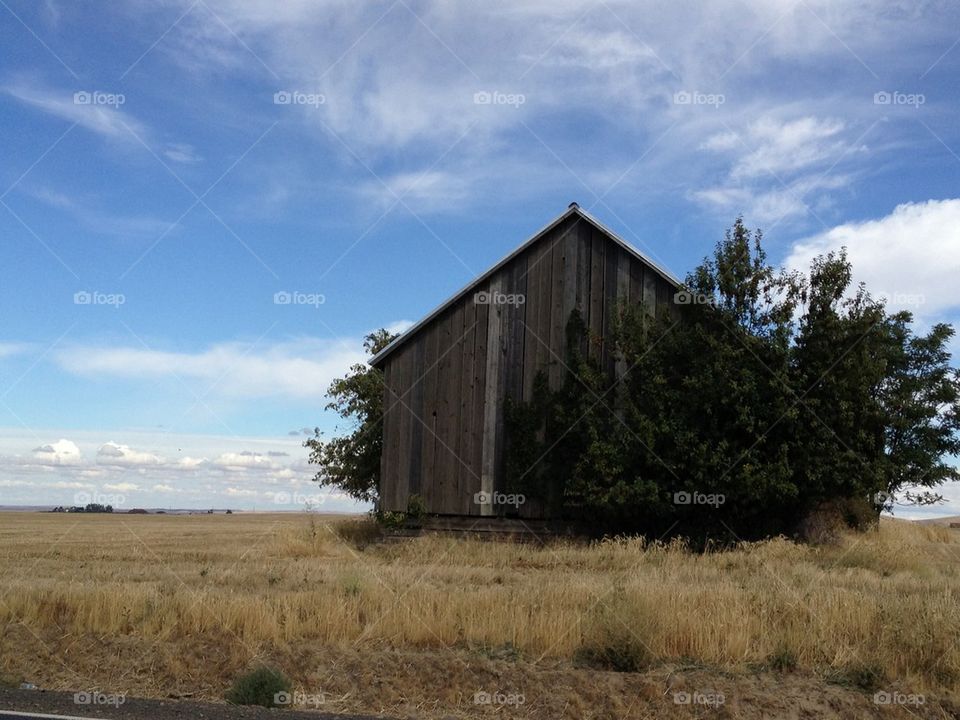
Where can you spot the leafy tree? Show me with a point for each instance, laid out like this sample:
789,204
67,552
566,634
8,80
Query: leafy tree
775,396
351,462
919,399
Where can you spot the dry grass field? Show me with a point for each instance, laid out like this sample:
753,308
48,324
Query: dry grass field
161,606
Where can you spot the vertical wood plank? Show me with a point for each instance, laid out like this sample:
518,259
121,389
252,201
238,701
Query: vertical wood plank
407,420
416,395
491,408
428,476
479,371
387,463
534,279
609,304
467,430
622,301
597,246
649,290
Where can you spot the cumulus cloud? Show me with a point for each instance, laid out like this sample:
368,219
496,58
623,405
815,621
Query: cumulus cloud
61,452
111,453
911,257
245,459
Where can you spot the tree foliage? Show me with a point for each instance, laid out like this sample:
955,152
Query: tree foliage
350,461
773,396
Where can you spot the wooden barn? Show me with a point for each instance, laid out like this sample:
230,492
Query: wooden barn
447,378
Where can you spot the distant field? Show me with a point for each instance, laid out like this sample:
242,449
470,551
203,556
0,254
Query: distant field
179,605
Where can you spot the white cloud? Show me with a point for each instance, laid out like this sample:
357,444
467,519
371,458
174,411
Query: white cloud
61,452
244,459
300,369
912,255
105,120
121,487
244,470
111,453
240,492
182,153
779,168
775,147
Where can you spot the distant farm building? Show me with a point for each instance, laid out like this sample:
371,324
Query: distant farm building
449,376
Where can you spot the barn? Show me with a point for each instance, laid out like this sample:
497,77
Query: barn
447,378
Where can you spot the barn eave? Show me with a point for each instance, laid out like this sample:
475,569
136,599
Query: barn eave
574,209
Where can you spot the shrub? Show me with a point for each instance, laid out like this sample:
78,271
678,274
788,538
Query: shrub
616,637
783,659
258,687
358,533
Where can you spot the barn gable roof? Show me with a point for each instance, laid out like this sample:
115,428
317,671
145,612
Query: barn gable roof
572,210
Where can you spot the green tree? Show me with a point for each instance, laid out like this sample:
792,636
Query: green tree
778,393
350,461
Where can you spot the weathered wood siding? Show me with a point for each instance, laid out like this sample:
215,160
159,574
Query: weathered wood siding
445,387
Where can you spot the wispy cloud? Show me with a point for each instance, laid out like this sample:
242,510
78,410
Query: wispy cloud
103,118
301,369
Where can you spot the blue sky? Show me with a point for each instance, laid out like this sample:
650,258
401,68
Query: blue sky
169,167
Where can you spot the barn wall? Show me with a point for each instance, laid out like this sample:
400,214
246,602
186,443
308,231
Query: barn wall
445,388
